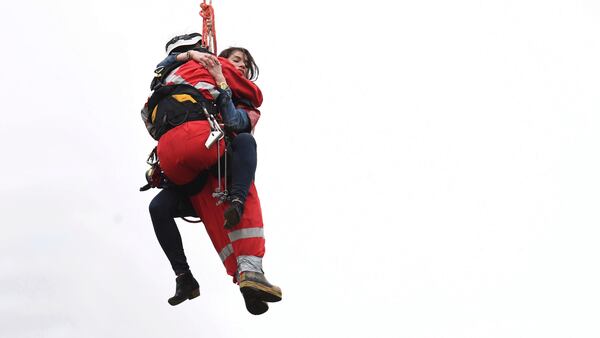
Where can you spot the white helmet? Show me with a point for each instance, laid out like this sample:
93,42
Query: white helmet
186,40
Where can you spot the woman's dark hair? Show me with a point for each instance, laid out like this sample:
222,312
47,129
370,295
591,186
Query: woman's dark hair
250,64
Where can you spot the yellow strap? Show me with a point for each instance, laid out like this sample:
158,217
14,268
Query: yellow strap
183,98
153,117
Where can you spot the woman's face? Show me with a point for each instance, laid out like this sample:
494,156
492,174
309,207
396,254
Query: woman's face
239,61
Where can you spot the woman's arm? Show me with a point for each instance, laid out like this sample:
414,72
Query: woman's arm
190,55
234,119
223,71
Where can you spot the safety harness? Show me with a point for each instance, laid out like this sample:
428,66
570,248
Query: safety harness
172,105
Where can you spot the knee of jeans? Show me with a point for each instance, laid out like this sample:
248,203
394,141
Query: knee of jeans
155,207
159,207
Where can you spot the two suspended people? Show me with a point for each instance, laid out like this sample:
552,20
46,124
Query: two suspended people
202,112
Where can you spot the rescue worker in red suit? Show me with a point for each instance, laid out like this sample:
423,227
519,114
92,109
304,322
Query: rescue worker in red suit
183,155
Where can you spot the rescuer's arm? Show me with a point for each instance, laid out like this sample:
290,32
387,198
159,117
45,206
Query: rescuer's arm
172,58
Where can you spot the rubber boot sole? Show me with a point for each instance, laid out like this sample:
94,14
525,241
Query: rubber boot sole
260,291
254,305
193,294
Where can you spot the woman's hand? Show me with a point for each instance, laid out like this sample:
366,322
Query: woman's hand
210,62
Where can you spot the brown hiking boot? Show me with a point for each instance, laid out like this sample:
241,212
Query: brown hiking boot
254,286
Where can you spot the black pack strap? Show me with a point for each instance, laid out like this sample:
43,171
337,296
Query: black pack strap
164,91
166,124
168,111
161,73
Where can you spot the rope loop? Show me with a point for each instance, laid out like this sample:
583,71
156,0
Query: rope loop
209,33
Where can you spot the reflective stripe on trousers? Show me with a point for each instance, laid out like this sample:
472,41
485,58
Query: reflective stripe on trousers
246,233
226,252
237,235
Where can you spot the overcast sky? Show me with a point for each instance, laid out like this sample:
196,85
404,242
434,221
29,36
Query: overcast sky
426,169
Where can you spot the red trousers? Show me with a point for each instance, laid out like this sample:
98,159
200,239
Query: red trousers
183,156
245,239
182,152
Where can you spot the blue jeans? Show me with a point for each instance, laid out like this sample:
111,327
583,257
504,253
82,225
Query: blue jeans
243,165
168,204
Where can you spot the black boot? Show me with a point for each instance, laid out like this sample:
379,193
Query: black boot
233,214
187,288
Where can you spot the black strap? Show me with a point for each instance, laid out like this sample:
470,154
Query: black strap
161,73
165,91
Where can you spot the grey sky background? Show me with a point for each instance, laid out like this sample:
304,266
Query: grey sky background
426,169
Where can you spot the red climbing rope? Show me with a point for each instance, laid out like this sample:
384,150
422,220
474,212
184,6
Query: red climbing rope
209,33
